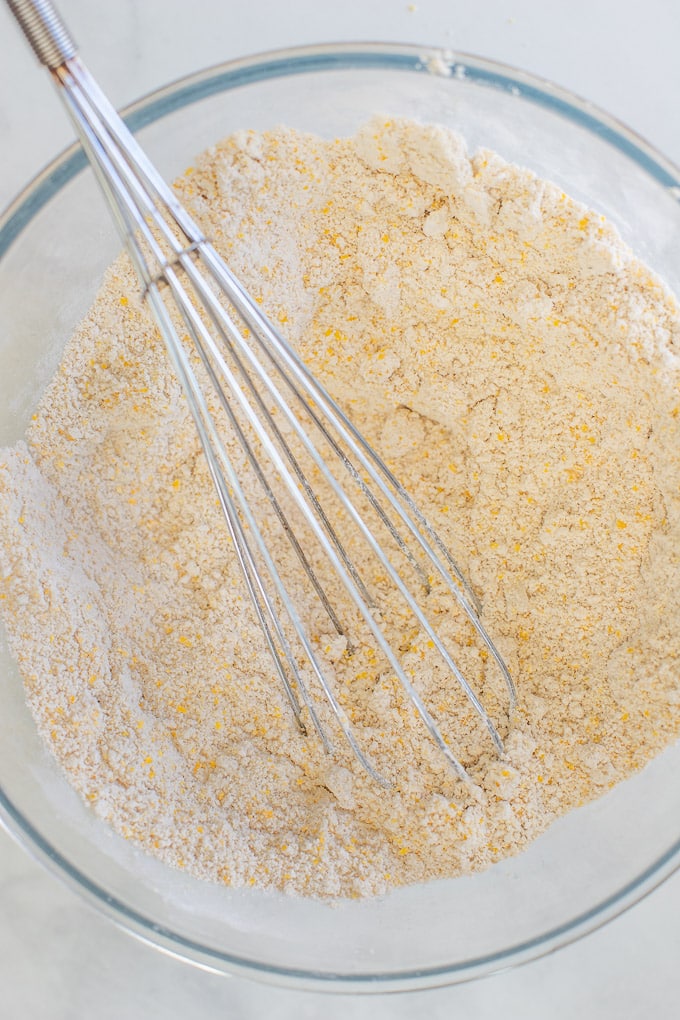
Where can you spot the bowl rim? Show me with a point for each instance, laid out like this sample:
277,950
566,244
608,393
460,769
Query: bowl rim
46,184
257,67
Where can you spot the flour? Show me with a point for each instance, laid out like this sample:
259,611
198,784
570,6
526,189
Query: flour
518,369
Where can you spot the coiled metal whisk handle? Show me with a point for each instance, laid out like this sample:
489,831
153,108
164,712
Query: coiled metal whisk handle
46,32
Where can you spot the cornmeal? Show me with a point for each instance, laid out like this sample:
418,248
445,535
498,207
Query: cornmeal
517,367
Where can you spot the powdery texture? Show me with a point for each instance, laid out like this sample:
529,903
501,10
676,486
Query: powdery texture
516,366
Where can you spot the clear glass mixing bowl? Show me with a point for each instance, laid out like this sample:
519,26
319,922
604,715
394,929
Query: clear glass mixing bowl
55,242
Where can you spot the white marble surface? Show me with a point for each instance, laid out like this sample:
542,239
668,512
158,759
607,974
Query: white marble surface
58,959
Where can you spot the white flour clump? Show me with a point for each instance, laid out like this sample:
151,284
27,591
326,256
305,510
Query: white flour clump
516,366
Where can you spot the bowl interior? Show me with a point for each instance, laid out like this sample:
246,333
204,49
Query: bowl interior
54,245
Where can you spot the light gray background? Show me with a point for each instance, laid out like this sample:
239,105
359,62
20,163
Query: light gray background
58,959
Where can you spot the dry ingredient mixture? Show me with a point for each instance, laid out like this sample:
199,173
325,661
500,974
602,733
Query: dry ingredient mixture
518,369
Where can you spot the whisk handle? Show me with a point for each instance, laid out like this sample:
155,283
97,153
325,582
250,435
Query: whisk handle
46,32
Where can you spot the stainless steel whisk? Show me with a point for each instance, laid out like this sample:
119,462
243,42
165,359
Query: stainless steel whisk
258,381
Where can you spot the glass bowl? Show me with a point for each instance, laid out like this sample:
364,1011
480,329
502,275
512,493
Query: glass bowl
55,242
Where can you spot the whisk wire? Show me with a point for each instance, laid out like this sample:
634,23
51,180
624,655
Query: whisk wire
120,179
107,166
216,312
334,412
135,190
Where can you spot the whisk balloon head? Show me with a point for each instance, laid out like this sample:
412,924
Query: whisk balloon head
354,591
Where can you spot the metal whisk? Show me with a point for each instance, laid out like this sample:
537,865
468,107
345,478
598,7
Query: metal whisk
240,371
